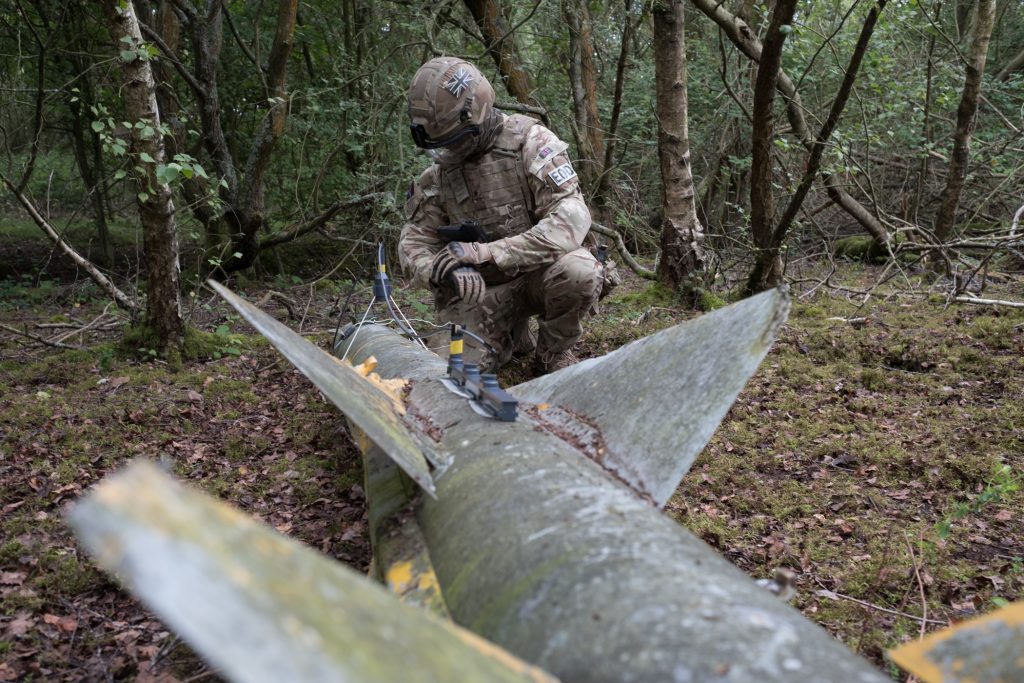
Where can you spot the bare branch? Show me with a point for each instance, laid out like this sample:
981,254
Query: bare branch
122,299
620,246
29,335
319,221
241,43
988,302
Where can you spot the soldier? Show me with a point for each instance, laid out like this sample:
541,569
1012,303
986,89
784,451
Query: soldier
508,180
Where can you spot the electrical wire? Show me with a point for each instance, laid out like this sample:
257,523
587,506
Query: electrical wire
398,318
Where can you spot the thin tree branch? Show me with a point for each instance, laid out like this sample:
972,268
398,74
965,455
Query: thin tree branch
319,221
238,39
29,335
620,246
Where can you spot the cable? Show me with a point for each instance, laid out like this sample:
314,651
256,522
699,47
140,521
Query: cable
382,286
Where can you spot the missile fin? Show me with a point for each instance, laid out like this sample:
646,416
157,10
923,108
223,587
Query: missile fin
372,410
986,648
658,400
263,608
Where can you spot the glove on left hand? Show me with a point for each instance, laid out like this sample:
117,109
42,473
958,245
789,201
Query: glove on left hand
455,255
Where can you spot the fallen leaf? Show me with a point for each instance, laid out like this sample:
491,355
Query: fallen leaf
118,382
68,624
21,624
194,396
127,636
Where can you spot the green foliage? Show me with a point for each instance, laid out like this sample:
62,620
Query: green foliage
1003,482
655,294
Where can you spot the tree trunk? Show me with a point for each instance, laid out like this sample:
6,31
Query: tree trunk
1015,64
85,143
84,160
768,265
168,26
965,114
682,254
962,10
583,84
490,17
625,41
156,208
771,254
248,219
741,35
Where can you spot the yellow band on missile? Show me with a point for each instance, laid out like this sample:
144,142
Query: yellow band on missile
383,268
455,347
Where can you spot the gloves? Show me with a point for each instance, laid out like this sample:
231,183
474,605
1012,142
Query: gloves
471,253
455,255
469,284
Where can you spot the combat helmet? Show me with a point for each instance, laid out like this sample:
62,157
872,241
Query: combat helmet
449,101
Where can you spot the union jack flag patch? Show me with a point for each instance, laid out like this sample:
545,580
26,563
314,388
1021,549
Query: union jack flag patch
459,82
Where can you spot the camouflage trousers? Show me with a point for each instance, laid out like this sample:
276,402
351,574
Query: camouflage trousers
560,295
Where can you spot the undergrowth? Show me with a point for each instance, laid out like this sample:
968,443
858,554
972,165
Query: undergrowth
877,453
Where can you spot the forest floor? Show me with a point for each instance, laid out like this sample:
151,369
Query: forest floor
866,455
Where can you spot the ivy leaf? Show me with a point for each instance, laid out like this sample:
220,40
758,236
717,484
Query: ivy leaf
97,126
144,156
128,55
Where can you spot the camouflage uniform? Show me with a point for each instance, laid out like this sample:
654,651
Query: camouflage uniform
526,197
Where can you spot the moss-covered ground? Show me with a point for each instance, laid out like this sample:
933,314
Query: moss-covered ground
866,456
878,454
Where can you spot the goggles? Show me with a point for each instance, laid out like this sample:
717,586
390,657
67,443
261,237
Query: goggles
424,141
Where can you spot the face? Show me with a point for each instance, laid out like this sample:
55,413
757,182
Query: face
456,152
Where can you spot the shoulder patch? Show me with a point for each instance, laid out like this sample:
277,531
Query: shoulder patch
562,174
547,152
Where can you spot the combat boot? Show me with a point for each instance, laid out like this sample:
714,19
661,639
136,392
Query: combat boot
550,362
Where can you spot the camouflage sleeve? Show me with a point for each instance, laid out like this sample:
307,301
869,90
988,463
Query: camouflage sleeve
563,219
424,214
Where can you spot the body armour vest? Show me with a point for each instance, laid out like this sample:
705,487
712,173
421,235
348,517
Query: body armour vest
493,189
